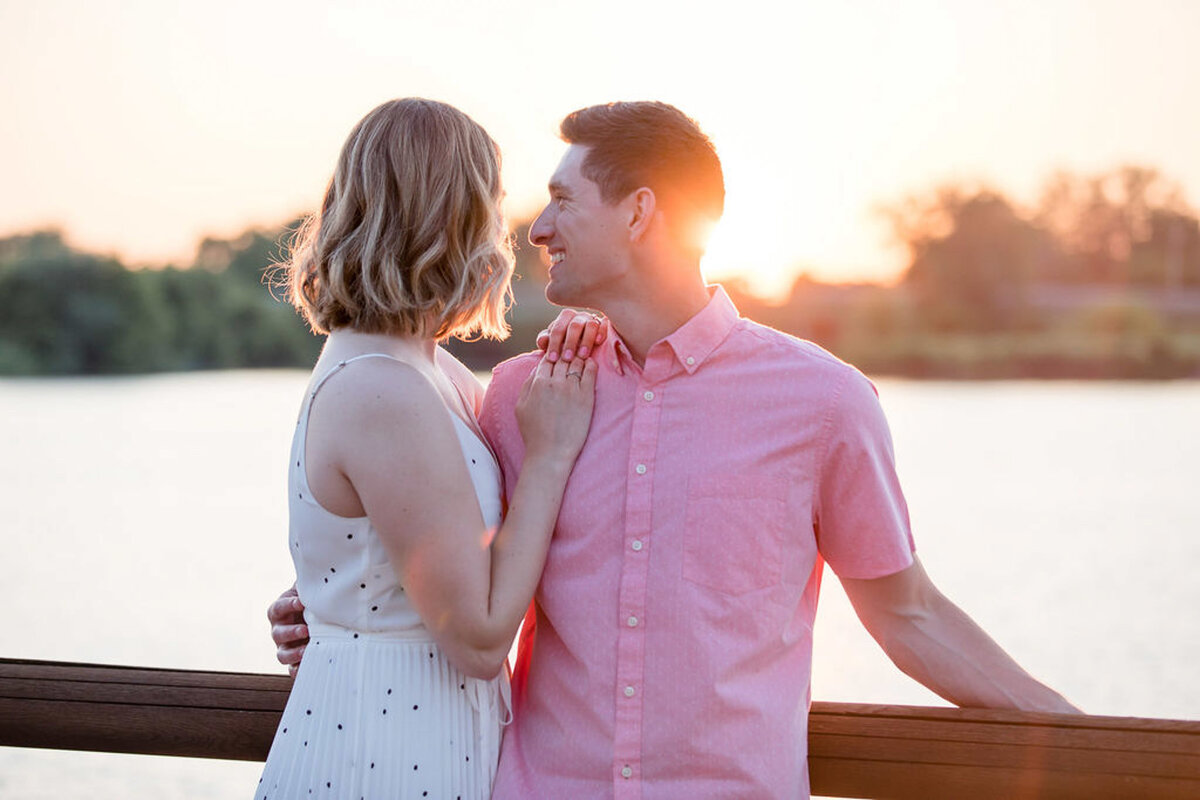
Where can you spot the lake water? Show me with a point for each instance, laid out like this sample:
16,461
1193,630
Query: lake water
143,523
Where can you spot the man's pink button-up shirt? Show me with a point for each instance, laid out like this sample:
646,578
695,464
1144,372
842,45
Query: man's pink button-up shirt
669,650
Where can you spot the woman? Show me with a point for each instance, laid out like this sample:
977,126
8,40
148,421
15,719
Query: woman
413,586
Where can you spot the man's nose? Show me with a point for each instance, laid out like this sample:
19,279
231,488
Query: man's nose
540,230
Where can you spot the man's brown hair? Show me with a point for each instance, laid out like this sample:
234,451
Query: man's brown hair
652,144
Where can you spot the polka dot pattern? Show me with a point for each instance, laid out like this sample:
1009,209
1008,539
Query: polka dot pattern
371,655
424,735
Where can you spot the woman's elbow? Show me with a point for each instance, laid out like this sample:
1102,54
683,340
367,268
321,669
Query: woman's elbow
476,662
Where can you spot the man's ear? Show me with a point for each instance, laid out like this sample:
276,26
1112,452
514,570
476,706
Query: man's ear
643,207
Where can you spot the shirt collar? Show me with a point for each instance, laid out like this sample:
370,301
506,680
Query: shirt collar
693,341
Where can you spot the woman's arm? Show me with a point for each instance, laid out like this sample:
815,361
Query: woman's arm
398,449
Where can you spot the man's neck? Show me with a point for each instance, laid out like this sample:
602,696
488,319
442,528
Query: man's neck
646,317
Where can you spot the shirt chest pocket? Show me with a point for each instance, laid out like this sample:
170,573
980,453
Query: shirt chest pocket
733,541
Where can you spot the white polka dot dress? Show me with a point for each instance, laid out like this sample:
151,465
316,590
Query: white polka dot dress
376,710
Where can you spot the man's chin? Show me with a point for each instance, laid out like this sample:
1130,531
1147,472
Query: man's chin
557,295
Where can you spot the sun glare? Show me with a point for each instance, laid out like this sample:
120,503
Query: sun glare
755,241
735,252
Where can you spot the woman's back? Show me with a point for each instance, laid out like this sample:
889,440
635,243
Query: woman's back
377,707
343,574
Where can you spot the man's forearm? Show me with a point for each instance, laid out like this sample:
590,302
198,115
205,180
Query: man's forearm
946,651
934,641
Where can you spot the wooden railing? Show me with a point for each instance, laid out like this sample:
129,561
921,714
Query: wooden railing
854,750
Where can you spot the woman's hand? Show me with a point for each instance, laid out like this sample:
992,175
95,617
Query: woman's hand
554,410
573,333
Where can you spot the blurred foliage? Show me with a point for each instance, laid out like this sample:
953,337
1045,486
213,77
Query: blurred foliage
67,312
63,311
1100,279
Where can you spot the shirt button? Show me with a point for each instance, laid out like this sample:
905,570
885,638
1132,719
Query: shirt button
640,469
636,545
632,622
690,361
649,395
626,772
630,691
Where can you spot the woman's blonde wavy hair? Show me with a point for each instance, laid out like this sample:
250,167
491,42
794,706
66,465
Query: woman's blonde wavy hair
410,239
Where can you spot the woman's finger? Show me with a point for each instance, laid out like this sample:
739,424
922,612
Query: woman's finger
545,367
587,338
539,372
601,330
574,368
559,369
573,338
558,331
590,367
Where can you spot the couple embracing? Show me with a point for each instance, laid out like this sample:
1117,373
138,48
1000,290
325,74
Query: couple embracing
652,504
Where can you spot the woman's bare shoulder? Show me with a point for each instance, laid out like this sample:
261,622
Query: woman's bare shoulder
379,391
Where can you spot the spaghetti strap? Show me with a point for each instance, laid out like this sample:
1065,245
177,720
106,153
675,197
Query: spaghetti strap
469,420
300,456
337,367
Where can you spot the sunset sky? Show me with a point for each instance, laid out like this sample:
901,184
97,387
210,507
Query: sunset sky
140,126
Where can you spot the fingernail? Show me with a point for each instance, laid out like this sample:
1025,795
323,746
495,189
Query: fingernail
552,356
583,351
567,355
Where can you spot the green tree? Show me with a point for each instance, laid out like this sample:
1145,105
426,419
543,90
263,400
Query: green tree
62,311
247,324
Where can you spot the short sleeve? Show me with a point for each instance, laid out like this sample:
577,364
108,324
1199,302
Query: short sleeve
862,522
497,415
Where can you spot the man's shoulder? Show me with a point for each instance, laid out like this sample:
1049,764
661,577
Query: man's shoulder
821,377
522,365
508,375
503,390
767,342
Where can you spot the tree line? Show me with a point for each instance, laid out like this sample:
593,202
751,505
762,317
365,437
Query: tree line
1099,278
68,312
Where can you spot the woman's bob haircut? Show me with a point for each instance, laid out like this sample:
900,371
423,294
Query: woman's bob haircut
410,239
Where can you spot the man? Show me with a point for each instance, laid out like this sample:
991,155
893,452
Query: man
668,652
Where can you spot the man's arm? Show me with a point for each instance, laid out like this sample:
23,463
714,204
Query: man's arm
934,642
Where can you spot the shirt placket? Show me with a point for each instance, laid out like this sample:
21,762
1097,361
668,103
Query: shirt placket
636,546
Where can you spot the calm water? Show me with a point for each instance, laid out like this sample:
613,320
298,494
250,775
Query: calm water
144,523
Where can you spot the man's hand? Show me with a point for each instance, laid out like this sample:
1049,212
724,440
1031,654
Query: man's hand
286,616
573,334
